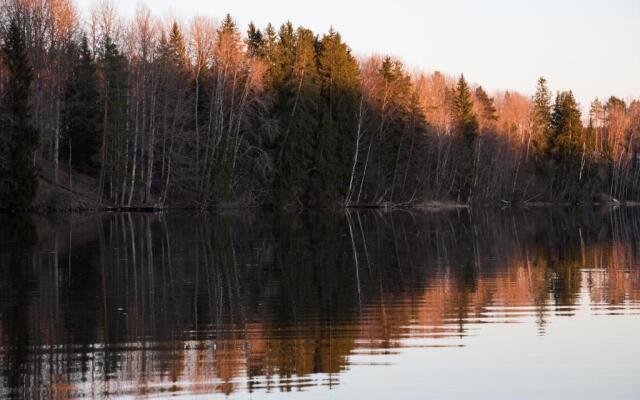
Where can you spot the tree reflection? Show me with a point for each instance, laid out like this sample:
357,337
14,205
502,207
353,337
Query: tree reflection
141,303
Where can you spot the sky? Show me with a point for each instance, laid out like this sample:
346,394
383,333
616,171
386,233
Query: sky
589,46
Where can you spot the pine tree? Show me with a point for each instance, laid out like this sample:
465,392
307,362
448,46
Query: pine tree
80,114
596,123
18,179
596,113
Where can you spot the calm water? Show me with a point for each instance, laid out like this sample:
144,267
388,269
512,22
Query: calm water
530,304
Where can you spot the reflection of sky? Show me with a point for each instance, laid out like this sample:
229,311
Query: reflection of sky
503,357
589,46
574,359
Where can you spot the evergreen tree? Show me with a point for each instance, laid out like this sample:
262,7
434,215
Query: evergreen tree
229,53
115,120
339,83
488,113
391,101
228,24
18,179
596,113
177,52
395,124
174,104
254,40
81,112
541,120
270,51
408,173
296,105
615,102
463,116
566,126
596,123
466,127
565,147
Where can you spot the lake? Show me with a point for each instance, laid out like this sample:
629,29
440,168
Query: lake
527,304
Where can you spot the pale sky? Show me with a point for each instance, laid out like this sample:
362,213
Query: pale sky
589,46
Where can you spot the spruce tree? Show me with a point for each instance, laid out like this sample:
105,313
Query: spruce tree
296,102
173,100
81,112
408,173
18,179
229,50
466,127
115,118
270,52
541,120
228,24
488,113
566,123
565,147
464,118
339,83
395,109
177,49
391,104
254,40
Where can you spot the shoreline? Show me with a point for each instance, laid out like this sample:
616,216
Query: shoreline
427,206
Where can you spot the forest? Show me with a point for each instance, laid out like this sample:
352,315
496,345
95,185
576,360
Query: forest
155,112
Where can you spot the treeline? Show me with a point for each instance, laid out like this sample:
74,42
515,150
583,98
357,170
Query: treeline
168,113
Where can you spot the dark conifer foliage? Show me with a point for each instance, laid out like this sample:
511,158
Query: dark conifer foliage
566,124
339,91
297,110
541,120
19,138
254,40
466,126
463,115
81,113
488,114
566,146
115,125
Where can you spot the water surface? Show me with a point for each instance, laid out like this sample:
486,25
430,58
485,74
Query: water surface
405,305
